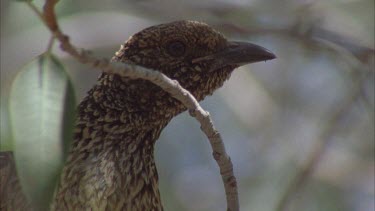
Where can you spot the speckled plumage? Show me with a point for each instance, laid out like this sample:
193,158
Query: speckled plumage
111,163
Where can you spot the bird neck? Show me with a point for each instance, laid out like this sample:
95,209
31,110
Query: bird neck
111,163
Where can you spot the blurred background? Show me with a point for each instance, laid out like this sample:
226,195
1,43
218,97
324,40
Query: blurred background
299,129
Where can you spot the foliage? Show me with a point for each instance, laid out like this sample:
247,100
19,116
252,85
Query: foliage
42,105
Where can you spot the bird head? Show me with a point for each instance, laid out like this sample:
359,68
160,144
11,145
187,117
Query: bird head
193,53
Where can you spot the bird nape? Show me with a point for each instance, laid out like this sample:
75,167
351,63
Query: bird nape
111,162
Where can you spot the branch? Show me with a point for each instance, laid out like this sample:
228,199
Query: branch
167,84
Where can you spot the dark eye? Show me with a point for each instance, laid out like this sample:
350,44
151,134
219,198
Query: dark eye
176,48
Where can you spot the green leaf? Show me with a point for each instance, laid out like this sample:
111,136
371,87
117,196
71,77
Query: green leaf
42,106
5,137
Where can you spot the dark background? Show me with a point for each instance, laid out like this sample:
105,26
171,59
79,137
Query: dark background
314,102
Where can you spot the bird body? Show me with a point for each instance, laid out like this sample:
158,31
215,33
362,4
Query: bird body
111,166
111,162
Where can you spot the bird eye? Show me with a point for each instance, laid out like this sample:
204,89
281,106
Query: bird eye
176,48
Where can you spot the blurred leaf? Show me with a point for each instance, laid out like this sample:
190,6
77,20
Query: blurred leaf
5,138
42,105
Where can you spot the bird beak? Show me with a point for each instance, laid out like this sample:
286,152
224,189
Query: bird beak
238,54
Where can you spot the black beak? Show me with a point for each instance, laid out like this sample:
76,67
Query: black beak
238,54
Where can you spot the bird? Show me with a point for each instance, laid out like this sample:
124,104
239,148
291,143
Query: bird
111,163
11,195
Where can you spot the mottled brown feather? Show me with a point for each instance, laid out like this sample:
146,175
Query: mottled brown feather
111,163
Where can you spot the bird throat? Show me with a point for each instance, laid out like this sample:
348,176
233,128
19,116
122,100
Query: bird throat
111,163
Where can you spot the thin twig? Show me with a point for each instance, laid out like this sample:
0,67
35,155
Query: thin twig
36,11
50,44
49,14
168,85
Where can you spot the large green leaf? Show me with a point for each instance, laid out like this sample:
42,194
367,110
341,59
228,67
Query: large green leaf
42,106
